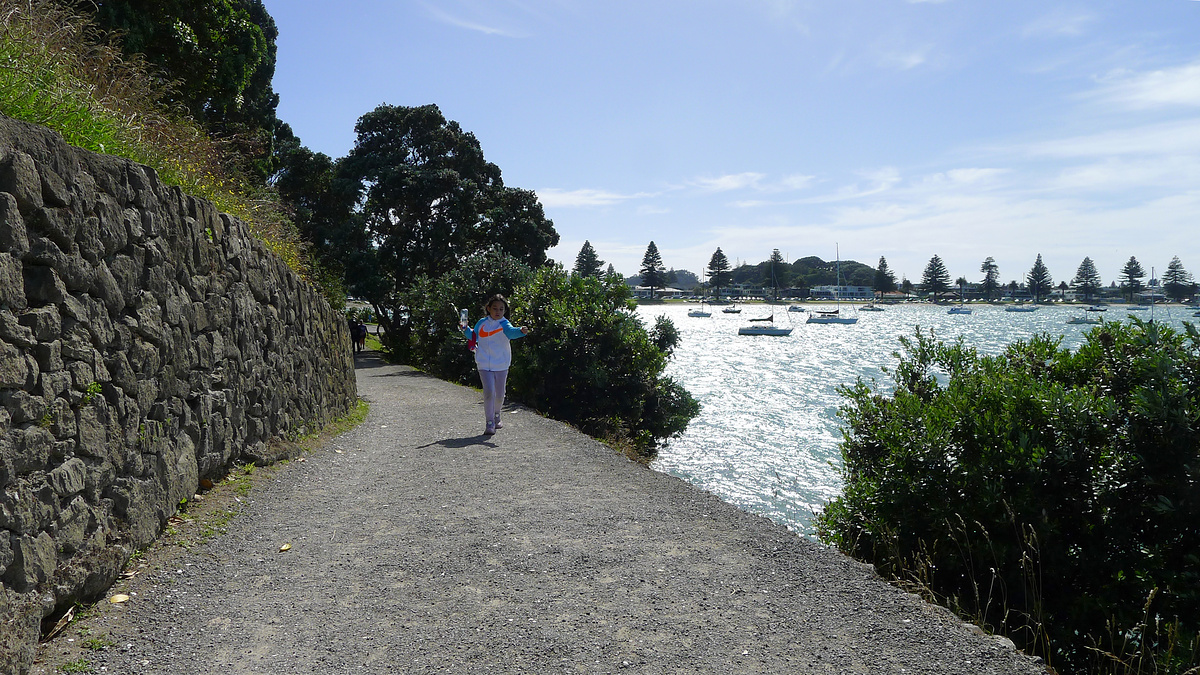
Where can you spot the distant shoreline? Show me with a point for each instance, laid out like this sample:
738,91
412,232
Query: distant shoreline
809,301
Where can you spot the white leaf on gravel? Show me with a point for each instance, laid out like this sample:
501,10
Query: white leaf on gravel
119,598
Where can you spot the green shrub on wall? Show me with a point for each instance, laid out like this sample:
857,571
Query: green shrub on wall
1049,495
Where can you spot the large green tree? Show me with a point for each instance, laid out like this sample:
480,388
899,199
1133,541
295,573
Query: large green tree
654,274
1087,279
1132,274
1039,280
587,263
1177,281
221,56
885,279
991,277
936,278
428,200
718,272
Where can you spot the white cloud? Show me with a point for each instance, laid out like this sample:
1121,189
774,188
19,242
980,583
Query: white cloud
490,28
1120,174
737,181
960,177
796,182
553,197
904,60
1168,138
880,180
1060,23
1167,87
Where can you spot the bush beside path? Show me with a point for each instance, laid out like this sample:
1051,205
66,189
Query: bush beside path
418,545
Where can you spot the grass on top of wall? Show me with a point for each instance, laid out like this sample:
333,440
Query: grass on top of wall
57,70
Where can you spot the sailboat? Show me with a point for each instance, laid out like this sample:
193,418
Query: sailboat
769,329
833,316
701,312
962,306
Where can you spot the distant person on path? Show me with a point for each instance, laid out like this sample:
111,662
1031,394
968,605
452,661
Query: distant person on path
493,355
360,337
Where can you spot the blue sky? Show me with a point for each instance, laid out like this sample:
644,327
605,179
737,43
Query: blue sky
895,128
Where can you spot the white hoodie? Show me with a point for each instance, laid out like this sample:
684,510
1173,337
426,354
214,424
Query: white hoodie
492,351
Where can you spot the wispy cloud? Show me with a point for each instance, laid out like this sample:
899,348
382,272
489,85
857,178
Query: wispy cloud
965,176
1059,23
586,197
1168,138
1179,86
906,60
759,182
736,181
492,27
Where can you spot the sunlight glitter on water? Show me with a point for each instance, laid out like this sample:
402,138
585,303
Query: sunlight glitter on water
767,435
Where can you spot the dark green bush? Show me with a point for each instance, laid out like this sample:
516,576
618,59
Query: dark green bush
589,361
1049,495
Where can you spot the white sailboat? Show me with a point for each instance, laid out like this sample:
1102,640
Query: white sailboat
701,312
766,327
820,316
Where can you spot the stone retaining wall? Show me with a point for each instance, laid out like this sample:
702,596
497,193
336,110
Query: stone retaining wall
146,342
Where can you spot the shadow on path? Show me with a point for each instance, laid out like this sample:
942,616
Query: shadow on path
459,443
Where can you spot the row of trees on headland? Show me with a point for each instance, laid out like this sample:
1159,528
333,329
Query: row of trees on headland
796,277
1177,282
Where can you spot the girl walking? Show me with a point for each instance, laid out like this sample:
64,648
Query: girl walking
493,355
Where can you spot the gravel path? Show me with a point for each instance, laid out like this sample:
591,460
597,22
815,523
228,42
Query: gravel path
425,547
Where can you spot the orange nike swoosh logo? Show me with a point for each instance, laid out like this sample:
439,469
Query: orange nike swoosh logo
489,333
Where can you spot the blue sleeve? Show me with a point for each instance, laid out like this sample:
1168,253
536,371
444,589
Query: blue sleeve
510,331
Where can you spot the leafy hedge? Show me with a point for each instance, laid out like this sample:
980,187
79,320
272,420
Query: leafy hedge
589,361
1052,496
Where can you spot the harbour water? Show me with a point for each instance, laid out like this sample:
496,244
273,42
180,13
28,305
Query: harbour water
767,435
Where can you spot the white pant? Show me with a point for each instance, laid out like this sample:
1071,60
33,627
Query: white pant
494,382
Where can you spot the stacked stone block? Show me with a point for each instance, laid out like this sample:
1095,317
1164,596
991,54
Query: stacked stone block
146,342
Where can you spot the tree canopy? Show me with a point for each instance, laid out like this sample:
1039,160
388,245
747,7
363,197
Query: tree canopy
991,277
652,271
885,280
1132,274
1177,281
1087,279
428,199
1038,279
220,54
936,279
718,271
587,263
776,273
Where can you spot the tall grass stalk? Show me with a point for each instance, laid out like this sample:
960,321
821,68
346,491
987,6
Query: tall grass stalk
57,70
